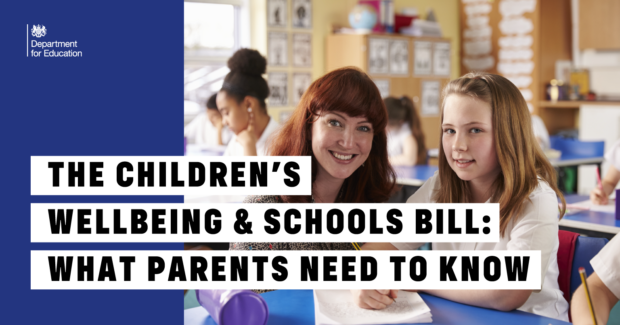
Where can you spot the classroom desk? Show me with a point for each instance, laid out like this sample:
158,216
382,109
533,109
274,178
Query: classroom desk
204,150
414,175
576,160
297,307
591,223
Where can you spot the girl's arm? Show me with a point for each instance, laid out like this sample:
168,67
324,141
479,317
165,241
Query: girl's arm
504,300
603,301
409,157
609,182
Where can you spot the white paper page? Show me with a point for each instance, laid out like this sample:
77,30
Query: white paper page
337,307
609,208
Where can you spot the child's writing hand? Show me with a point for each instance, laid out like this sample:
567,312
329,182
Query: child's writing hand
247,138
598,196
374,299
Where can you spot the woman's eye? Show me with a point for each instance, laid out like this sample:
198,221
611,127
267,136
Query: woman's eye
449,131
364,129
334,123
476,130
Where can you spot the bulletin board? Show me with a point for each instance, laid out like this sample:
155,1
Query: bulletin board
502,37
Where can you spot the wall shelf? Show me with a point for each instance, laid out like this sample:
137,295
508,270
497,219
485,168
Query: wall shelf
569,104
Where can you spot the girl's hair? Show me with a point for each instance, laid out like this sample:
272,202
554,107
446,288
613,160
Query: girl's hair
520,157
245,77
211,102
403,109
350,91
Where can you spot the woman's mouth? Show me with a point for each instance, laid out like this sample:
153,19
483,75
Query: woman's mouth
343,157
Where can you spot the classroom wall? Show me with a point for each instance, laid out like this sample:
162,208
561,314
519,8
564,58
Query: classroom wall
328,12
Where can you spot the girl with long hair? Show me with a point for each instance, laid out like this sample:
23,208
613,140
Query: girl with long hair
405,137
488,153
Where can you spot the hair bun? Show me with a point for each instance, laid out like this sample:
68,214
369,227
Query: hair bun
248,61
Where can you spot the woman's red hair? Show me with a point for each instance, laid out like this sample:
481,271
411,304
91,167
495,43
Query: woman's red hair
350,91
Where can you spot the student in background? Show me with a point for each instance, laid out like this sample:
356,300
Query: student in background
603,285
405,137
242,104
341,123
207,128
600,195
540,132
241,101
488,154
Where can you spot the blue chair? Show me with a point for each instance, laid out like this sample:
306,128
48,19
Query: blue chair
585,249
574,252
572,147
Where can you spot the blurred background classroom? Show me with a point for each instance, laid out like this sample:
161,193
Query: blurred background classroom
564,56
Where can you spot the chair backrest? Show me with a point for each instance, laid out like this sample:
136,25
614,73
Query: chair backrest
585,249
575,251
566,253
572,147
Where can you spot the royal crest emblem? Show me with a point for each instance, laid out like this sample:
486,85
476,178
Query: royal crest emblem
38,31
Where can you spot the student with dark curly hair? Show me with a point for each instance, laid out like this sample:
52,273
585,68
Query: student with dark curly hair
242,104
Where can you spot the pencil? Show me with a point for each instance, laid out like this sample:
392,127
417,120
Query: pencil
356,246
598,178
582,274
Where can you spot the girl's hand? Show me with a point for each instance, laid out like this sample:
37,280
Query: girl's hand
598,196
374,299
247,138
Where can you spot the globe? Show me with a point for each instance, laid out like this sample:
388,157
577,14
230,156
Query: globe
363,17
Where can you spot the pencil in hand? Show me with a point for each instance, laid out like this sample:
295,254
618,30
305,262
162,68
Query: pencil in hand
582,274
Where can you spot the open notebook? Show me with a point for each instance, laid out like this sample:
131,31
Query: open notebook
337,307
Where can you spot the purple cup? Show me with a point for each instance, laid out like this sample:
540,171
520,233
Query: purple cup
228,307
617,204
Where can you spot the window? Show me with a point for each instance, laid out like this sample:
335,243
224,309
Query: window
213,31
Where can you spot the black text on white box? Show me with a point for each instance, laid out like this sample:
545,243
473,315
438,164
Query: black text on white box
265,223
285,270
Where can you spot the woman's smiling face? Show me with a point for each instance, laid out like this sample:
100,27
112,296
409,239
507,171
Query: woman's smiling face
340,143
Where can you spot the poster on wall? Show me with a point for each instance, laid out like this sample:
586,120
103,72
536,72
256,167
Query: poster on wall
430,97
422,57
302,14
399,57
384,87
301,82
277,44
278,88
277,13
378,55
302,50
441,59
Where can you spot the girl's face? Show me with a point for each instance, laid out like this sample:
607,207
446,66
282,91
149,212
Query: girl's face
340,143
234,115
468,140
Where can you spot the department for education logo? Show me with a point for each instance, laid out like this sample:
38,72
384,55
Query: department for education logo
49,48
38,31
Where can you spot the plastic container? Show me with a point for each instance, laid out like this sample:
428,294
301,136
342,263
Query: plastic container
228,307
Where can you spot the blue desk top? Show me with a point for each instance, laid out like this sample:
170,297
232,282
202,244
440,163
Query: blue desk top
297,307
590,220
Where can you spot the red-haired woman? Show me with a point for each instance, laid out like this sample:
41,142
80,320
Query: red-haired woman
341,123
